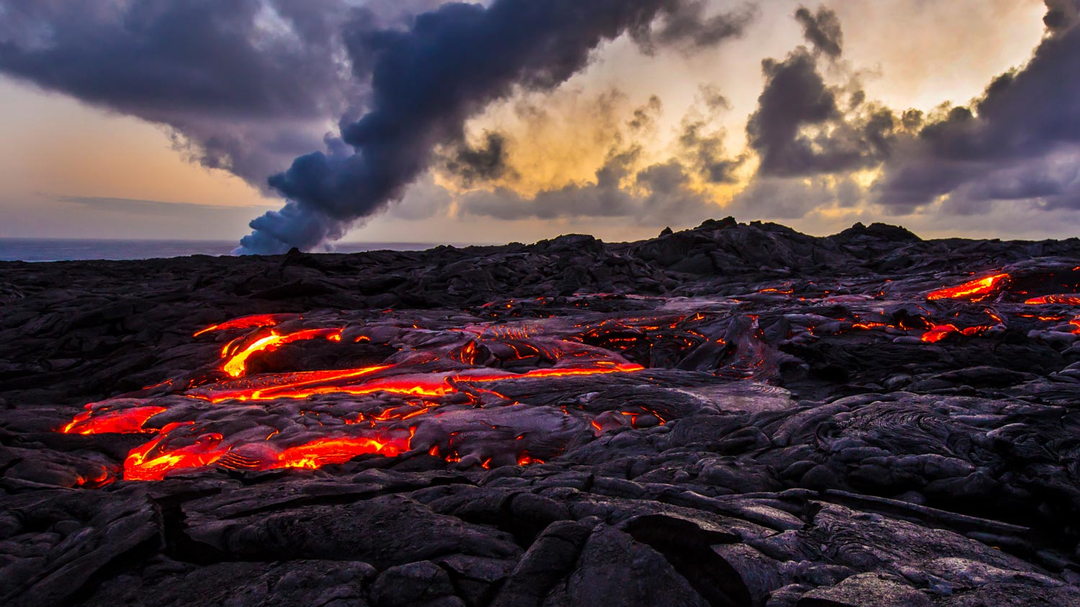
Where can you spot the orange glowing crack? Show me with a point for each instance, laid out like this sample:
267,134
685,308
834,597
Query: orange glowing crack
975,290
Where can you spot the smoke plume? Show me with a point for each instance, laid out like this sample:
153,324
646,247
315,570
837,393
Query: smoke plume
426,81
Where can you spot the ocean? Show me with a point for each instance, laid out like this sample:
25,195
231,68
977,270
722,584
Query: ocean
58,249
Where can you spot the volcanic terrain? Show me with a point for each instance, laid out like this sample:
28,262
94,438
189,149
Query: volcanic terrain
736,414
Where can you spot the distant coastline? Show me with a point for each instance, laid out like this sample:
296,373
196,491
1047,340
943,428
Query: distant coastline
65,249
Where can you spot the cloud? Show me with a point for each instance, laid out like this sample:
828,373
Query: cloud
822,30
485,163
1007,145
659,193
687,27
426,81
1019,142
243,85
801,128
707,154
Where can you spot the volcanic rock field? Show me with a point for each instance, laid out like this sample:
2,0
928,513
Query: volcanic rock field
732,415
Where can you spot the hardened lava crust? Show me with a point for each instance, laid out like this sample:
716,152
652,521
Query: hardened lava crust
733,415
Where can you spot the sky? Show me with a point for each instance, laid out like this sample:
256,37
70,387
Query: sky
518,120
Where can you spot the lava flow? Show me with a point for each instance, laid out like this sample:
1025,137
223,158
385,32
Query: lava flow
235,365
341,413
248,322
1071,299
975,290
492,393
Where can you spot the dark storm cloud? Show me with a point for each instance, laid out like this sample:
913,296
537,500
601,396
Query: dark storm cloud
243,84
1011,143
809,136
425,83
822,29
800,129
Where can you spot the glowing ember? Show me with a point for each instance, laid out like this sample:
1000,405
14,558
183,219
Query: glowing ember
975,290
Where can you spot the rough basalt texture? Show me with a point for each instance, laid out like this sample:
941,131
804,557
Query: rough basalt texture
807,428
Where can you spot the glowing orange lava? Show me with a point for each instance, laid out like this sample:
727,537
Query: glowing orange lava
248,322
1071,299
105,421
236,365
940,332
975,290
149,462
313,383
434,378
324,451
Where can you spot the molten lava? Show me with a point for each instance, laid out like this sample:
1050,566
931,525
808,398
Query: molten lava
106,420
412,389
940,332
151,462
236,364
975,290
248,322
425,379
1071,299
324,451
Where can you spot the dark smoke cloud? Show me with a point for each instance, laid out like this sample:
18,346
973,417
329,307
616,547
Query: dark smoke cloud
1061,14
822,30
243,85
426,82
485,163
687,27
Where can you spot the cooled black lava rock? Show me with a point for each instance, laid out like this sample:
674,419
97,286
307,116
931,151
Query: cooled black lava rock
799,424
